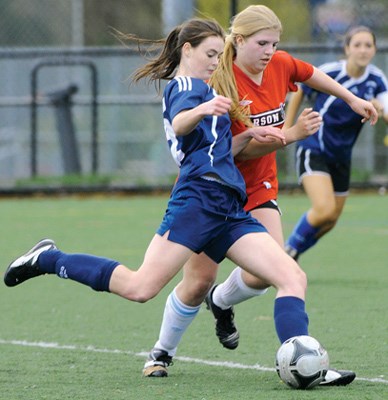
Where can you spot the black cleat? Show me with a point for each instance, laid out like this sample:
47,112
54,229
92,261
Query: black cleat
336,377
157,363
226,330
26,266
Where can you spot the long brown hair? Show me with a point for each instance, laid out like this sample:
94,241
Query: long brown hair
163,66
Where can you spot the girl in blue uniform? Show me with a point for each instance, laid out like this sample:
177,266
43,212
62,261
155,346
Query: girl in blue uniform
323,160
205,211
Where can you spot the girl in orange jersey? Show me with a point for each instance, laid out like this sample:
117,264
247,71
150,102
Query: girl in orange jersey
257,78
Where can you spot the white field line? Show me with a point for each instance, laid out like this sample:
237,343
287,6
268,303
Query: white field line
224,364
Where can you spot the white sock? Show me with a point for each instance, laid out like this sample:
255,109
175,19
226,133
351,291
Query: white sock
234,291
176,319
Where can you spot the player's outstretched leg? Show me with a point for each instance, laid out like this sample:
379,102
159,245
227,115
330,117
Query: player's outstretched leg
45,258
26,266
226,330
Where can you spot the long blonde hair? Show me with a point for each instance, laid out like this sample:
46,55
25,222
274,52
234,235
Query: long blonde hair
246,23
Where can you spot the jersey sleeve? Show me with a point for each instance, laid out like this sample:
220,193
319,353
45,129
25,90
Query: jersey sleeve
383,99
185,93
300,70
382,92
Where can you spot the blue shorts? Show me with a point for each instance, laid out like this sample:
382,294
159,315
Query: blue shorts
207,217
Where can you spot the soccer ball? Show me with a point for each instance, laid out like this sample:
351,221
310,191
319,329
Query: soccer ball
302,362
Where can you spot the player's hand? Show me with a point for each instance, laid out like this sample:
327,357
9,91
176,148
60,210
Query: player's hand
307,123
366,109
217,106
267,134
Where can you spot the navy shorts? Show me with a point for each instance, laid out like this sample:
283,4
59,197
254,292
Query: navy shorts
207,217
310,163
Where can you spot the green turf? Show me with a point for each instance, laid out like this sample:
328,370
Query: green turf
97,339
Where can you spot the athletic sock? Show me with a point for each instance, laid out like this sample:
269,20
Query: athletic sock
89,270
234,291
290,317
303,236
176,319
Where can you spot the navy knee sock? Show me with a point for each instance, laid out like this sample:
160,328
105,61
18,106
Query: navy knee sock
90,270
290,317
303,236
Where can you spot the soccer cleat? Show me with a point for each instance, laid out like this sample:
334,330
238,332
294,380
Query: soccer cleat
226,330
26,266
157,363
292,252
338,378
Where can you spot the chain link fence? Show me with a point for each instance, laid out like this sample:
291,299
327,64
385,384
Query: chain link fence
118,128
75,23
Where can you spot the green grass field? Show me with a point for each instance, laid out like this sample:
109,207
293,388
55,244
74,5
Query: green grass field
61,340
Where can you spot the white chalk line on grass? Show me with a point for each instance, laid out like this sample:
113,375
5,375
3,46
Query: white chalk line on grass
225,364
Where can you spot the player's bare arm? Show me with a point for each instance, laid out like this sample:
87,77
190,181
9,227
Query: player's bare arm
307,124
262,135
324,83
293,104
187,120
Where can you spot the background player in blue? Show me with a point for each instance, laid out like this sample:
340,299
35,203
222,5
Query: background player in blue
209,187
323,160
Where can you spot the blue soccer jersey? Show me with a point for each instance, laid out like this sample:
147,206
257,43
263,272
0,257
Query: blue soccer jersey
202,151
341,125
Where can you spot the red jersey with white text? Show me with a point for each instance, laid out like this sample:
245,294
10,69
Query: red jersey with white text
267,103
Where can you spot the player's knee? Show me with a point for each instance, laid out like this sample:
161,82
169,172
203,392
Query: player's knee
196,284
141,294
199,289
325,213
254,282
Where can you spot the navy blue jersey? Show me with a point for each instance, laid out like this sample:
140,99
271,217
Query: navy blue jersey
208,148
341,125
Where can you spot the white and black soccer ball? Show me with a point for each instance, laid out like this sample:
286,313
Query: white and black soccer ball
302,362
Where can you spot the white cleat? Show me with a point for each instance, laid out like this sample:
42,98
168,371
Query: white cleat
338,378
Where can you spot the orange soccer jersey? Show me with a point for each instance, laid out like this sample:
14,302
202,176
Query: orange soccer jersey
267,103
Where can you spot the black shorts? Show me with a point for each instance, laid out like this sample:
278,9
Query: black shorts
273,204
310,163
